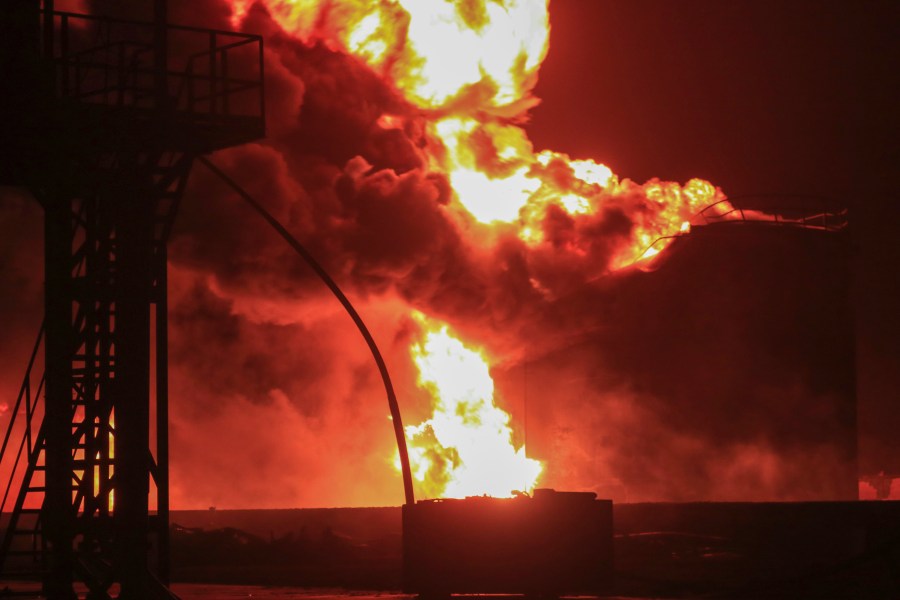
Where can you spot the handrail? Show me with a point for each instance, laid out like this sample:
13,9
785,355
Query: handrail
122,72
118,21
25,392
651,245
12,473
723,211
812,212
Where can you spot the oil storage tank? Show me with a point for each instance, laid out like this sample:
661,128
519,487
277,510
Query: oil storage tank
722,370
549,544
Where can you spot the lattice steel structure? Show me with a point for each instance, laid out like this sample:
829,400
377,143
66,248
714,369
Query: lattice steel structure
103,119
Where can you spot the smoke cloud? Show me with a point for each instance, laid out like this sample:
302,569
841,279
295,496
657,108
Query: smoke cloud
275,401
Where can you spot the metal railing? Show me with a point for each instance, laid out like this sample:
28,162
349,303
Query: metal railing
29,395
115,62
786,210
808,212
30,446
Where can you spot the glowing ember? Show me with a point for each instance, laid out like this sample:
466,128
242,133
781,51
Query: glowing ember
465,448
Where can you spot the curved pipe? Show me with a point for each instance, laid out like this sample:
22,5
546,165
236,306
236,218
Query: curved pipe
320,271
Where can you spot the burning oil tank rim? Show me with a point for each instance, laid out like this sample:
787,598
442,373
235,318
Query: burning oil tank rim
821,214
800,210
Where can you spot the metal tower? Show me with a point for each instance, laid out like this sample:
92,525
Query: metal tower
102,119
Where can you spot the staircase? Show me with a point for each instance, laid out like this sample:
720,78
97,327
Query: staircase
22,548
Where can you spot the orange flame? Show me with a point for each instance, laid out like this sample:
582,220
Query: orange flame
466,447
439,54
467,69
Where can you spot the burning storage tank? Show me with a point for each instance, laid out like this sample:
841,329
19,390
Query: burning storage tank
723,371
551,543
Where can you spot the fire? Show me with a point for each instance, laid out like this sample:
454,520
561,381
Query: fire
498,177
466,447
467,69
438,53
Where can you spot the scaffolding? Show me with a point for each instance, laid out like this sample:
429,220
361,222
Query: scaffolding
104,118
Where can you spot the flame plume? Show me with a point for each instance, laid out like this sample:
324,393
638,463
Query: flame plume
466,447
440,55
468,68
463,72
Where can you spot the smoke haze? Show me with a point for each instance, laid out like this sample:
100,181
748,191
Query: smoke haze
275,401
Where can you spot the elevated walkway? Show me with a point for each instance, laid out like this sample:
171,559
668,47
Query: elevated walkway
91,84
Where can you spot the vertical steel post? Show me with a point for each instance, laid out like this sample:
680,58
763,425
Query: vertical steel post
48,27
162,414
213,75
161,52
57,516
132,293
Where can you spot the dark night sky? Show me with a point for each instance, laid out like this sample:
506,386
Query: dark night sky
757,97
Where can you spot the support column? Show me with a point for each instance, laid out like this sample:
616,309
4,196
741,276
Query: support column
161,52
58,517
134,254
162,414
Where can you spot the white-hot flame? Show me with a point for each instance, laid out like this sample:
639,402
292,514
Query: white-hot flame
466,448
